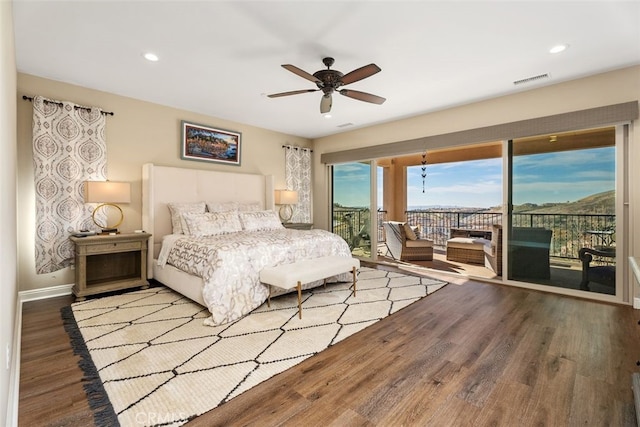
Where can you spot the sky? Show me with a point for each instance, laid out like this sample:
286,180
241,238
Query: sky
541,178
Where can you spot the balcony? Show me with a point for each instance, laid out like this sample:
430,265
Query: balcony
571,232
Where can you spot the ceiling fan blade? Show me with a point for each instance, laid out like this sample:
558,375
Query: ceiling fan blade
325,104
301,73
360,73
293,92
363,96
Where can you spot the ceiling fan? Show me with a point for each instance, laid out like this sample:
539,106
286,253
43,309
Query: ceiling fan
329,81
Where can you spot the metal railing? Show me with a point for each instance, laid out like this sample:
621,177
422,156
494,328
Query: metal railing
437,225
570,231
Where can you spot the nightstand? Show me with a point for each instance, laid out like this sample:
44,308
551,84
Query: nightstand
107,263
298,225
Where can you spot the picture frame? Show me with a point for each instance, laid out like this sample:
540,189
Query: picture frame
208,144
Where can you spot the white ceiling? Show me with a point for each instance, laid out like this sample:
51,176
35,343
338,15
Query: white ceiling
220,58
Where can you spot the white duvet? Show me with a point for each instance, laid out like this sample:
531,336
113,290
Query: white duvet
230,264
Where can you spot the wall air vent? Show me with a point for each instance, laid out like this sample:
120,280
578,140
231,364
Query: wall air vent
344,125
531,79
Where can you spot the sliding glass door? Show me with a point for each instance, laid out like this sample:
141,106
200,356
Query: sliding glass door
562,210
351,216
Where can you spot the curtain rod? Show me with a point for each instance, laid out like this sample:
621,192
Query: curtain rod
296,148
77,107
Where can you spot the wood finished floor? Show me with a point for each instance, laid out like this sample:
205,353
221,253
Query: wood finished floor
472,354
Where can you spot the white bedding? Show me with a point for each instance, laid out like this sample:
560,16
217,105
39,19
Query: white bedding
230,264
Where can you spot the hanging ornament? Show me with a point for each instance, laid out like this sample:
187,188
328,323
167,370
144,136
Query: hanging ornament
424,169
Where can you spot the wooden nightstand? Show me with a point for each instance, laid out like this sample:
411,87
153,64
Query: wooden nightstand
298,225
110,263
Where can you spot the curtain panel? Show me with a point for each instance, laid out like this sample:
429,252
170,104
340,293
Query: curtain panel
298,177
69,147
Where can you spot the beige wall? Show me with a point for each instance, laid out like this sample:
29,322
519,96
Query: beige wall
138,133
8,239
604,89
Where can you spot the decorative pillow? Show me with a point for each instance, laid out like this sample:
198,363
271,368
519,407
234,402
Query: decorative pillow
260,220
222,206
250,206
211,223
234,206
412,232
179,209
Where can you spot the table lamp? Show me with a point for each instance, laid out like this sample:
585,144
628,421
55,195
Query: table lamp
107,193
286,198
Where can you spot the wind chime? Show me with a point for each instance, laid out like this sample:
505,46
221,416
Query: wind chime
424,169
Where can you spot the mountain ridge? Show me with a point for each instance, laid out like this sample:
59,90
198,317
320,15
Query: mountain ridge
599,203
594,204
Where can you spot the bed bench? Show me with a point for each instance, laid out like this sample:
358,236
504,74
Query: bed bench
290,276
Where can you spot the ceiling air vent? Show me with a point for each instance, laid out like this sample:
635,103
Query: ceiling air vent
531,79
344,125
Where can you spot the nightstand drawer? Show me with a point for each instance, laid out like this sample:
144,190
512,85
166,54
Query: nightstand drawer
104,248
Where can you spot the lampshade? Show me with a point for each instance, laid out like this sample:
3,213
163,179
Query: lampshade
107,192
286,197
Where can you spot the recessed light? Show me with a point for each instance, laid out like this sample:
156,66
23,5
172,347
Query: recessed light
327,116
151,57
558,48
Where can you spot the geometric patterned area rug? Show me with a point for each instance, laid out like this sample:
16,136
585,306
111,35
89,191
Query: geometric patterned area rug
149,360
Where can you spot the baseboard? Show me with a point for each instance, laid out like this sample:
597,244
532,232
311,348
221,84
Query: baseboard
43,293
14,381
14,374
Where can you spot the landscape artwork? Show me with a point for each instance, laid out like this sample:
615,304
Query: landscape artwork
210,145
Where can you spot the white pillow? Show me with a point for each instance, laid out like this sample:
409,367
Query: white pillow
179,209
211,223
234,206
412,231
222,206
249,206
260,221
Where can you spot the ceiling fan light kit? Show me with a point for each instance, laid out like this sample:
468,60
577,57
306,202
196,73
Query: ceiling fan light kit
329,81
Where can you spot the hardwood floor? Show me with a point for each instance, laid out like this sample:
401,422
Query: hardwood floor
51,392
471,354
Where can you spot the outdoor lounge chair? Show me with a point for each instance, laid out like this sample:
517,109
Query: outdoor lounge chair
529,253
493,251
602,274
404,248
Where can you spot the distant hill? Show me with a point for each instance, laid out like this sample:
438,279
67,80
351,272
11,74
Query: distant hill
601,203
595,204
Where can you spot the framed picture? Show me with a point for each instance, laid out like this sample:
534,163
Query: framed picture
210,145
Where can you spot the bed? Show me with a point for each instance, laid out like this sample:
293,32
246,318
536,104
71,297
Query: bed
221,272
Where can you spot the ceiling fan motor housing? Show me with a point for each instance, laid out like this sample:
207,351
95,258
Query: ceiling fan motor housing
330,79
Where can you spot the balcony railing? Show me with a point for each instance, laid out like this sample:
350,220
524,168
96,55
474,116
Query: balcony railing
570,231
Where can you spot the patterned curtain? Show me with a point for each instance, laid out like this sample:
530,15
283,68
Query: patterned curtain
298,177
69,147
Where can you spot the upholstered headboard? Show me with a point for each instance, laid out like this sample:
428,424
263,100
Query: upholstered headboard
163,184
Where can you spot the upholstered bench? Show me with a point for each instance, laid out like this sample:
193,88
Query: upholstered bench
289,276
469,250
